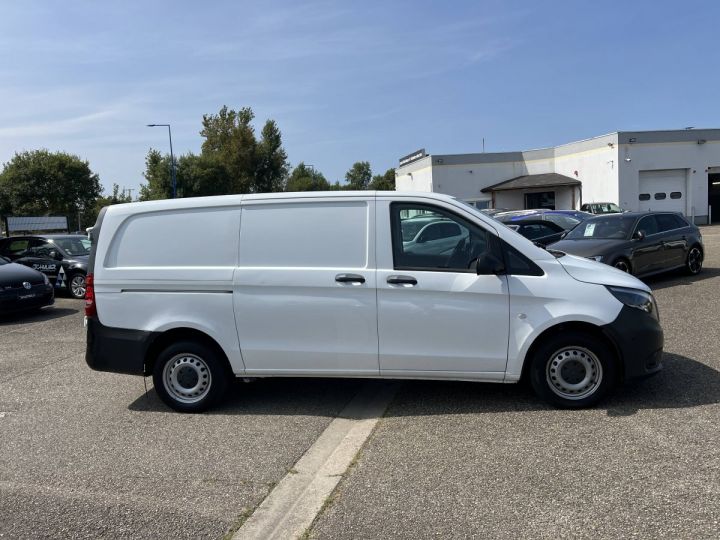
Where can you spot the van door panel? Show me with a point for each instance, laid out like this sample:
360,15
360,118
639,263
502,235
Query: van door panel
296,308
447,321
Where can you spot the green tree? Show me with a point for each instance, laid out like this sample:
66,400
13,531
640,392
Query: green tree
359,175
158,176
271,166
231,160
384,182
304,178
200,176
40,182
89,215
230,140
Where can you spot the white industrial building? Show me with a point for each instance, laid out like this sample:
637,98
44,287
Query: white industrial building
676,170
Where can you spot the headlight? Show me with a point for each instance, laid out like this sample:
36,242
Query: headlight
597,258
635,298
46,280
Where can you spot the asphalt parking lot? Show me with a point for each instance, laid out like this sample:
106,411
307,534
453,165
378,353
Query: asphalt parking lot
88,455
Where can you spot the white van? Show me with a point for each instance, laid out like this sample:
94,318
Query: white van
195,291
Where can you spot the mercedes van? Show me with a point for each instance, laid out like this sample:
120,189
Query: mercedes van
197,291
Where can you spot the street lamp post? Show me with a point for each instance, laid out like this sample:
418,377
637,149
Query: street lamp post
172,157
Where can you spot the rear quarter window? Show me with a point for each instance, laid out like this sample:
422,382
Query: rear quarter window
176,238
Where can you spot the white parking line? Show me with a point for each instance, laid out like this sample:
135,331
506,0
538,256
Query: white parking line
291,507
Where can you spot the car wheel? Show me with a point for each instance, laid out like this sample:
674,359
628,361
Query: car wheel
623,264
190,376
76,285
694,261
573,370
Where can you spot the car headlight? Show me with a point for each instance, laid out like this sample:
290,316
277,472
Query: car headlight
597,258
46,279
636,298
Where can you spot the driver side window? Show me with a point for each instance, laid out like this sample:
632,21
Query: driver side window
444,241
42,249
647,225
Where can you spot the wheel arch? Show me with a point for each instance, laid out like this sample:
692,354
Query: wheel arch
623,256
577,326
173,335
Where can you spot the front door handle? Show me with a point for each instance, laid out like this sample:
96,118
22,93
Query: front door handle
402,280
349,278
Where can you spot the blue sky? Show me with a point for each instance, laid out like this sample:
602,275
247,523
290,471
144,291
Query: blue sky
349,81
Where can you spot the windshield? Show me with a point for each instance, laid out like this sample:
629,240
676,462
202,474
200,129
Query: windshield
566,222
614,227
77,246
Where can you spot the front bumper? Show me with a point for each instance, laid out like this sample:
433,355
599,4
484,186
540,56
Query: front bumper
117,350
638,338
38,296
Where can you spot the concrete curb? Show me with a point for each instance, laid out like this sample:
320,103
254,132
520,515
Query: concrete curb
292,506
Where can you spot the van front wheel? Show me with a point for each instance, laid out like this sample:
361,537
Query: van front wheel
573,370
189,376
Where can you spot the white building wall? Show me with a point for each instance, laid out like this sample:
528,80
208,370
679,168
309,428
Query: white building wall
467,181
417,176
694,158
608,167
595,164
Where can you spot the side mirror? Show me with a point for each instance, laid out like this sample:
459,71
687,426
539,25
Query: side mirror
55,255
563,235
639,235
488,264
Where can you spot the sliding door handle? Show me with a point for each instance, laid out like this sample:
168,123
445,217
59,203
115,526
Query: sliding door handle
401,280
349,278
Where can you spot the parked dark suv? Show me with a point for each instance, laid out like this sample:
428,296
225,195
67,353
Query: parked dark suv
63,258
641,243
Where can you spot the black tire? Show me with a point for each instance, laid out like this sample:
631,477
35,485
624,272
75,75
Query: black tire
621,263
573,358
190,376
694,260
78,291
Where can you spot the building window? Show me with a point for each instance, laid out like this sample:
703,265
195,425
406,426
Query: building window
644,197
660,196
675,195
480,205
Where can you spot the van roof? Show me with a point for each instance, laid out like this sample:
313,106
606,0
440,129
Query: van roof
234,200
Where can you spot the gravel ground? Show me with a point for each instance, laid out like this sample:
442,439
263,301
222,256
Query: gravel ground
89,455
473,460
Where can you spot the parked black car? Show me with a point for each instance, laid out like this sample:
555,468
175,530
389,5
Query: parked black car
641,243
567,219
539,231
63,258
23,288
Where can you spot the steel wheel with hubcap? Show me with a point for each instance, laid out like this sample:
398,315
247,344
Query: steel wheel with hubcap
573,369
694,260
187,378
190,376
574,373
76,285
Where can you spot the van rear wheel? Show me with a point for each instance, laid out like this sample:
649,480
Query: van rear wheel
573,370
190,376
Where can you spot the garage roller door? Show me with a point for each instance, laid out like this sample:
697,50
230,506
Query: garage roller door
663,190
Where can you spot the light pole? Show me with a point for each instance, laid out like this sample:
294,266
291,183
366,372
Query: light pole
172,158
